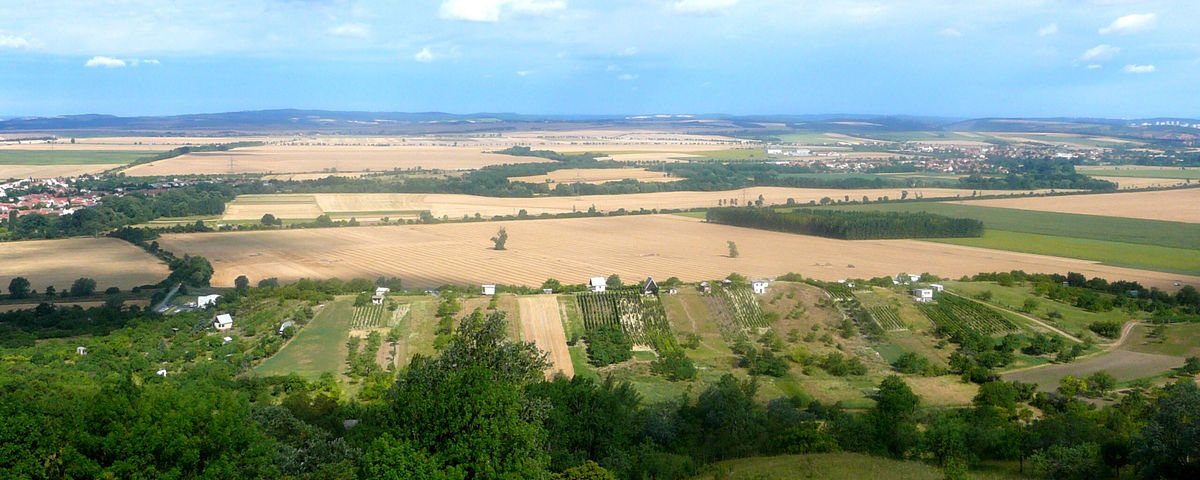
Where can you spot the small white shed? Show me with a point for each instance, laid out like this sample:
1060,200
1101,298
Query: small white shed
284,326
759,286
223,322
81,350
206,300
489,289
597,284
924,295
162,372
937,287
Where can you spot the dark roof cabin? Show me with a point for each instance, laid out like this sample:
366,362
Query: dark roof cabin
650,287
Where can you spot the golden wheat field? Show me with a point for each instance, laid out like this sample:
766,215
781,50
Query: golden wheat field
369,206
572,250
111,262
1126,183
596,175
1181,205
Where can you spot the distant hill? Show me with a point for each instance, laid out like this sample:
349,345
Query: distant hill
294,121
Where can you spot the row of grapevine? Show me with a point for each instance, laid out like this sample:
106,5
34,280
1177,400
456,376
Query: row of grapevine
953,314
642,318
839,291
887,317
747,313
368,316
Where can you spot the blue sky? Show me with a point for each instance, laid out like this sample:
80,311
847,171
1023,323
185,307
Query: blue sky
1106,58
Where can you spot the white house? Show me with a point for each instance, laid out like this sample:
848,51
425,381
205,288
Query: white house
937,287
914,278
489,289
924,295
381,291
759,286
284,326
81,350
206,300
223,322
225,340
597,284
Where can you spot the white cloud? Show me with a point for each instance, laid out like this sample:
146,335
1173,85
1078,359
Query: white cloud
1131,24
523,73
1048,30
424,56
613,68
13,41
1139,69
360,30
150,61
628,51
628,76
106,62
703,6
490,10
1095,66
950,32
1100,52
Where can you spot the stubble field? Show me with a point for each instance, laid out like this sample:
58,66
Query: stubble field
596,175
111,262
1181,205
367,206
572,250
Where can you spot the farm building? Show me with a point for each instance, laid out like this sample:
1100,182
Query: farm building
937,287
380,293
650,287
81,350
206,300
705,287
547,291
759,286
906,278
597,284
924,295
489,289
284,326
223,322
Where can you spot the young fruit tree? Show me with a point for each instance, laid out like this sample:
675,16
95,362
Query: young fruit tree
733,252
500,239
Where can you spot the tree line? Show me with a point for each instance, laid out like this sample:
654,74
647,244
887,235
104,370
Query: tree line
848,225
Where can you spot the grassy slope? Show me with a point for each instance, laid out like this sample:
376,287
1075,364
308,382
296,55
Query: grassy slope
69,157
1181,340
830,465
1149,257
319,347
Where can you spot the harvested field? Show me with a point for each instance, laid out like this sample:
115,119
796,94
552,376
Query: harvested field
47,171
1125,183
542,324
1122,364
572,250
650,157
596,175
9,307
319,159
1181,205
455,205
300,177
111,262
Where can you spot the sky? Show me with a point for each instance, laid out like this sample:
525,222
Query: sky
977,58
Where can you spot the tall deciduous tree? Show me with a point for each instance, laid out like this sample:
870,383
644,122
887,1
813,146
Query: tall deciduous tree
18,287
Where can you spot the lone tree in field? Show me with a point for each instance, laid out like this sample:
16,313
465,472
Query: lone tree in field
268,219
18,287
500,239
241,283
733,253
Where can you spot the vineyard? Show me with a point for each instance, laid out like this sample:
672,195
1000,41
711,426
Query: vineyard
839,291
958,316
370,316
642,318
736,312
887,317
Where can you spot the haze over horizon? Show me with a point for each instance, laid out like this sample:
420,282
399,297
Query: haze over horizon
1029,58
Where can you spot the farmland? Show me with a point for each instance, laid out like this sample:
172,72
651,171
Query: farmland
1171,205
1138,171
958,316
319,347
542,325
375,205
68,157
50,171
574,249
1124,365
111,262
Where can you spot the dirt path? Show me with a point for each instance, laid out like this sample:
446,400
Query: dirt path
540,321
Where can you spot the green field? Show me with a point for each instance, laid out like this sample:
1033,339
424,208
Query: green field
1148,257
70,157
319,347
1181,173
831,465
1074,320
1181,340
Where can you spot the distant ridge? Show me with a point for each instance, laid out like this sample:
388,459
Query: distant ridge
298,121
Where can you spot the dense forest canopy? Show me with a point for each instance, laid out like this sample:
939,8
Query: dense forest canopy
848,225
